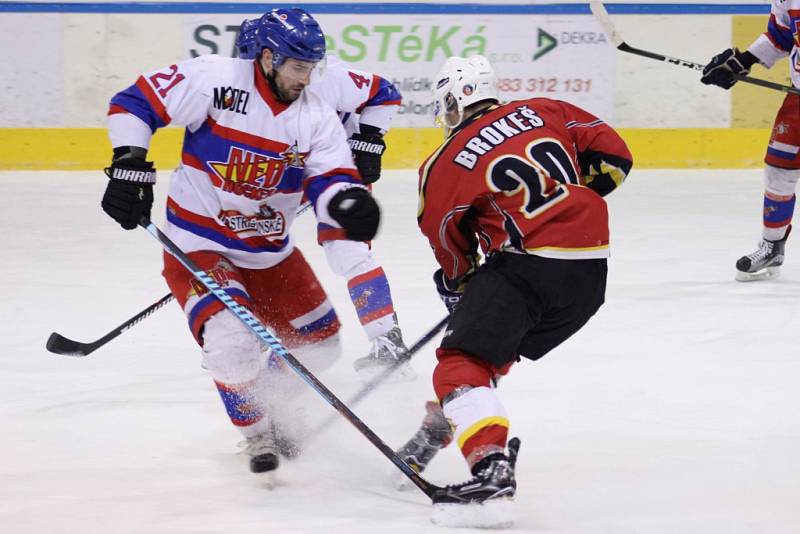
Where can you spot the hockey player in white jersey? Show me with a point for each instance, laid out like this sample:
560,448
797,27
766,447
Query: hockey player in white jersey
256,145
366,102
783,151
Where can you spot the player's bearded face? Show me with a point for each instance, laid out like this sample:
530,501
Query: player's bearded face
292,77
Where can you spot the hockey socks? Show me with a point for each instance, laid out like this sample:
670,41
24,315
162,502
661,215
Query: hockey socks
241,403
463,383
372,299
778,211
480,421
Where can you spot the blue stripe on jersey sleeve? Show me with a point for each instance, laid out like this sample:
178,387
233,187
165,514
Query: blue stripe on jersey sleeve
135,103
780,35
318,184
291,181
387,92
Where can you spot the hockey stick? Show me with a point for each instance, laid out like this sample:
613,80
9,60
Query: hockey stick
601,14
255,326
380,378
59,344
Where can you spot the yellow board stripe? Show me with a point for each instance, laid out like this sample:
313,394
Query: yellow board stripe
751,105
480,425
89,148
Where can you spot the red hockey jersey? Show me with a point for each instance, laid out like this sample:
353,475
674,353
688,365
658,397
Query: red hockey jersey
524,177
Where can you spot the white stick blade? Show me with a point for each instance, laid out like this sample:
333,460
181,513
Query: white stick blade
600,13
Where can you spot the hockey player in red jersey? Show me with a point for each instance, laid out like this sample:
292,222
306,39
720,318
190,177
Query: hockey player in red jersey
520,184
257,144
782,169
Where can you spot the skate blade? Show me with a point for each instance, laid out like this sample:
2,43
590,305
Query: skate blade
402,373
492,514
764,274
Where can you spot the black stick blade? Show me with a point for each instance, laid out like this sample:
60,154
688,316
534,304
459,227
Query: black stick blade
59,344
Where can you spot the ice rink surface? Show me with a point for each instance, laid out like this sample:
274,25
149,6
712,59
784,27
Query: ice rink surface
675,410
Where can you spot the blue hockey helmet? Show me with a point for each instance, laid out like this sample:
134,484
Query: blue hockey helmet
288,33
246,44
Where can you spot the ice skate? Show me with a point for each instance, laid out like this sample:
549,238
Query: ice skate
388,352
434,434
764,263
484,501
263,452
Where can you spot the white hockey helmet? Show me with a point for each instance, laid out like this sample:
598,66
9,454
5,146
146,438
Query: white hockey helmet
460,83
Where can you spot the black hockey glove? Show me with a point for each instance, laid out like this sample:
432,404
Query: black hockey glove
357,212
721,69
450,291
129,193
368,147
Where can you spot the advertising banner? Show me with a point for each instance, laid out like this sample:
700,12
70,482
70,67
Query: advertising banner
563,57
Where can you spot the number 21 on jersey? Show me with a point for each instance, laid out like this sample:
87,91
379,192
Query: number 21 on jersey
164,81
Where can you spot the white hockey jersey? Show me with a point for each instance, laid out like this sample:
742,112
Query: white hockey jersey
782,38
248,160
360,97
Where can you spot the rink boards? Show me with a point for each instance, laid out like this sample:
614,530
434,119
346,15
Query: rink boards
53,104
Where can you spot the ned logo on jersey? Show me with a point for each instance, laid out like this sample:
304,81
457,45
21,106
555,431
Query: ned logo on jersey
251,174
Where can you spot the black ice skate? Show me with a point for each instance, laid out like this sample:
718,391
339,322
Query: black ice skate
263,452
434,434
493,479
763,263
388,352
484,500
